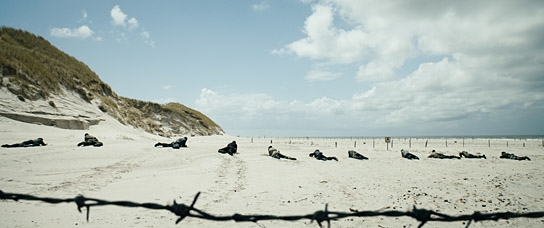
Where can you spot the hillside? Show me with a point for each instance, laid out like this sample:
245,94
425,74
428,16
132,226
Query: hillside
41,84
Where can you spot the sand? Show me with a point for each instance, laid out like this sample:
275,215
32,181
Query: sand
128,167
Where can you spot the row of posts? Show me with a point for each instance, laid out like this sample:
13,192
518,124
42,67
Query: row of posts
388,140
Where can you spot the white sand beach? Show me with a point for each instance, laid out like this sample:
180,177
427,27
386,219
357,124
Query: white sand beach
128,167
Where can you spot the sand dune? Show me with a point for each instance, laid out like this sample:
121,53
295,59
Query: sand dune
128,167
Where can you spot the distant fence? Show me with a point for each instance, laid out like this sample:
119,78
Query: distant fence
183,211
408,142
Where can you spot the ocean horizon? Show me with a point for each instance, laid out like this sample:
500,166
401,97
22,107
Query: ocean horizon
514,137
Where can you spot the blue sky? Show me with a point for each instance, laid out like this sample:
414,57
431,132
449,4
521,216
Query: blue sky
314,68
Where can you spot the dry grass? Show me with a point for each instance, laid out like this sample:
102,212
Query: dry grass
34,69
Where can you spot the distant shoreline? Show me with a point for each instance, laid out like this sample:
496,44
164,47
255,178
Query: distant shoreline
514,137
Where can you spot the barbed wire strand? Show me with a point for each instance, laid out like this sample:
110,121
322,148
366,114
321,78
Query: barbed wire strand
183,211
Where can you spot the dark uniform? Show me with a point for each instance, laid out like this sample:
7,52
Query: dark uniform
273,152
469,155
230,149
408,155
505,155
90,141
354,154
181,142
319,156
435,154
27,143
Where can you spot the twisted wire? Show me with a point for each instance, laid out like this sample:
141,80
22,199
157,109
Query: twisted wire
183,211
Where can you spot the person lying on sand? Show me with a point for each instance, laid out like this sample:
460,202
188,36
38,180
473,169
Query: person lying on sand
469,155
435,154
505,155
406,154
273,152
181,142
230,149
319,156
27,143
90,141
354,154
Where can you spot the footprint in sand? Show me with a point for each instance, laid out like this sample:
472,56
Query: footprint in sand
100,177
231,177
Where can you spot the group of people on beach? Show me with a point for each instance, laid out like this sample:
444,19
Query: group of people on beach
232,148
406,154
88,140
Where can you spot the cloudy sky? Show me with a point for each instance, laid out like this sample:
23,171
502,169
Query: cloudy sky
314,68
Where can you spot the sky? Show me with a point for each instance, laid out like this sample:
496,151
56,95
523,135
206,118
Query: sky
318,68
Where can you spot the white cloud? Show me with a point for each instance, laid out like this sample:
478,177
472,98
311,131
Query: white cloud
82,32
451,64
118,18
147,38
261,6
324,41
250,104
442,97
320,75
424,68
376,71
382,37
132,23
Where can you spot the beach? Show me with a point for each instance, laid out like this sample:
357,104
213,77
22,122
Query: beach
129,168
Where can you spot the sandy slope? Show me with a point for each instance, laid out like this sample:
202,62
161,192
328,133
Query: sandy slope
128,167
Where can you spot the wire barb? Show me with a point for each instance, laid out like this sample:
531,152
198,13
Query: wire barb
320,216
181,210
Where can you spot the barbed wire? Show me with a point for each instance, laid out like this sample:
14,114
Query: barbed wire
183,211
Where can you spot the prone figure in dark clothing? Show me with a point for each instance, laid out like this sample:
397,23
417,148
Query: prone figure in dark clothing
275,153
439,155
230,149
181,142
27,143
354,154
406,154
469,155
319,156
505,155
90,141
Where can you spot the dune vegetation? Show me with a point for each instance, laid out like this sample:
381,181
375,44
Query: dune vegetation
33,69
